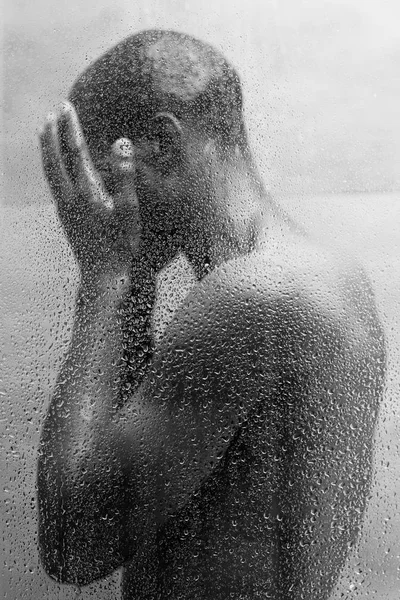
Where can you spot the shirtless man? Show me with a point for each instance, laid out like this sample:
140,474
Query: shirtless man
232,460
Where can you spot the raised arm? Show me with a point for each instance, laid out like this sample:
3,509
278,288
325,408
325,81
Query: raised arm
95,378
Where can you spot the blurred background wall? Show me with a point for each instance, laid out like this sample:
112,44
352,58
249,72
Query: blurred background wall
321,80
322,95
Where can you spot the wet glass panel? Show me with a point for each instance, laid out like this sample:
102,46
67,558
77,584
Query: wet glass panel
278,422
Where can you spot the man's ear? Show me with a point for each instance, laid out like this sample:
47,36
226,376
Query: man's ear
165,137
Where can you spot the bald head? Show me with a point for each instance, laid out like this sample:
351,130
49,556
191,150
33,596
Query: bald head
180,103
155,71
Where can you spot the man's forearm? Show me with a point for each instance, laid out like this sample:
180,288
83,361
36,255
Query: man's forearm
108,353
76,451
88,383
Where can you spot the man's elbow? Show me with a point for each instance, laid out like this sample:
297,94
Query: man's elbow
82,533
62,574
54,558
77,546
70,568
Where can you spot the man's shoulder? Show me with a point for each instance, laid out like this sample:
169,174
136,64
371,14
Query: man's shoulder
288,267
290,280
293,277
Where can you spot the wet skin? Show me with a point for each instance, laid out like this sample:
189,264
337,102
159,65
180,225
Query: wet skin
240,465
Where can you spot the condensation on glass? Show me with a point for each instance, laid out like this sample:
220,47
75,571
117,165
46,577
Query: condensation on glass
320,102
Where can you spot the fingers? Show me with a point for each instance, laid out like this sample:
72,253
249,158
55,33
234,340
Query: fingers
78,162
70,171
53,163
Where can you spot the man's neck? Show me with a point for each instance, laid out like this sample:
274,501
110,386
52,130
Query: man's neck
243,202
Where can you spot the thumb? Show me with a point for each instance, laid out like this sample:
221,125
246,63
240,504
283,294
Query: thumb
123,167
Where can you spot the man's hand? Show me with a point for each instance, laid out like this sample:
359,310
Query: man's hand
104,231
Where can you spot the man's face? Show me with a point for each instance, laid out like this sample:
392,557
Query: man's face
173,188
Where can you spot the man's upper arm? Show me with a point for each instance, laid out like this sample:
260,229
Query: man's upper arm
205,378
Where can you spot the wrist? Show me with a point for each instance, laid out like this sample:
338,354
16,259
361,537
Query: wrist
114,276
116,283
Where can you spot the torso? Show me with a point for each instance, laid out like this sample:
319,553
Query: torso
221,545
